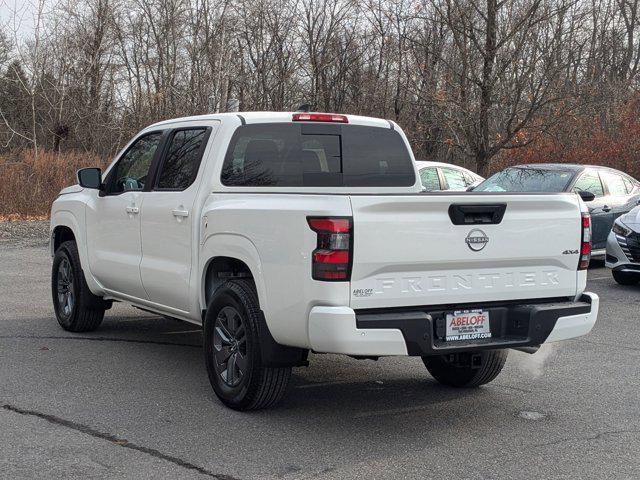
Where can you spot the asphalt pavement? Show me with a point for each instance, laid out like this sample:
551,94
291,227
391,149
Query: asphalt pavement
132,400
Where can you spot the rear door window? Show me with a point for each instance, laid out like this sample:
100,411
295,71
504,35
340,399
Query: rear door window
615,183
182,160
468,178
629,184
429,178
589,182
316,155
455,179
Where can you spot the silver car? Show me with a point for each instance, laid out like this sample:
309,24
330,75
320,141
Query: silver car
623,248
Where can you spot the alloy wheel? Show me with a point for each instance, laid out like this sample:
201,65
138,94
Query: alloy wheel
230,346
65,289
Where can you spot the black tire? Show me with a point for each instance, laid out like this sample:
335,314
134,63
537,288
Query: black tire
76,308
463,374
235,367
625,278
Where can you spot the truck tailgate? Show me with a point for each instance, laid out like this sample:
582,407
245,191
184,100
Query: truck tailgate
408,251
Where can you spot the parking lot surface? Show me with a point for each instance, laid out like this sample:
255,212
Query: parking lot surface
132,400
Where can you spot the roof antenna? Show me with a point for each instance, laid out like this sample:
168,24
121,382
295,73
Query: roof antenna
306,107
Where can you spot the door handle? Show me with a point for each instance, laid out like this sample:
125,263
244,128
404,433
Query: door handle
606,208
180,213
132,210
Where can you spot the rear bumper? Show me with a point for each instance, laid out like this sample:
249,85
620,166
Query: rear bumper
421,331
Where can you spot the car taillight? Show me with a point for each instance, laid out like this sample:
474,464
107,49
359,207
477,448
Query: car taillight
585,245
331,260
320,117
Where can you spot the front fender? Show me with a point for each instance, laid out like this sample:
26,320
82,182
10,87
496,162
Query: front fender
69,218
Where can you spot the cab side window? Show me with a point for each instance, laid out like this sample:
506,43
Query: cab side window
131,171
430,179
182,161
589,182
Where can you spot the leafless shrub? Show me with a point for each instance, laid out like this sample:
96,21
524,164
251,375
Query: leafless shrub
30,182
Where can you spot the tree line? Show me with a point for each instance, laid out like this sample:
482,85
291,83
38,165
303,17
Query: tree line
469,80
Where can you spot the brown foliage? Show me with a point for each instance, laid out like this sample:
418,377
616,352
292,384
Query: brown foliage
29,183
611,142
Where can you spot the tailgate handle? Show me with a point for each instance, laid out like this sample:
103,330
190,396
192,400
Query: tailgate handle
461,214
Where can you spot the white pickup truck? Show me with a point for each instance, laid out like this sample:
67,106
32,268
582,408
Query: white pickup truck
284,233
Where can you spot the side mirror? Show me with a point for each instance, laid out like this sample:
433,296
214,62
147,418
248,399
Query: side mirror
90,178
586,196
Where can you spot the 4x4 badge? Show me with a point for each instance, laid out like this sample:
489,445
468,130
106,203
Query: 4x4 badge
476,240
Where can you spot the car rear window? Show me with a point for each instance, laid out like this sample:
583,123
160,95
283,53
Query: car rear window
317,155
527,180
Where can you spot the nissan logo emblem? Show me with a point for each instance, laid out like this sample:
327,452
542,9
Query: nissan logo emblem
476,240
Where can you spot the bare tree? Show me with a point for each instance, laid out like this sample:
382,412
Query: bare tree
468,79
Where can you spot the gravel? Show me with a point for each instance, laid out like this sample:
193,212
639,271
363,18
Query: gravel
22,234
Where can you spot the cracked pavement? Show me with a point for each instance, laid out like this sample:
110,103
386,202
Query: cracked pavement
132,400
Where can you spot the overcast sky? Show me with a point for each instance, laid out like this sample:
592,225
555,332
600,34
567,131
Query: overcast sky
17,17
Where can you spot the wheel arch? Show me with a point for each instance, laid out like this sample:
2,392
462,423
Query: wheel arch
225,256
59,235
65,226
222,268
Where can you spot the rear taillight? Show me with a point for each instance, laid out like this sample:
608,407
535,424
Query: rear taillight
331,260
585,245
320,117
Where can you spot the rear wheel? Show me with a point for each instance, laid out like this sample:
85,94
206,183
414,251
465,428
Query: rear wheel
626,278
232,350
466,370
76,308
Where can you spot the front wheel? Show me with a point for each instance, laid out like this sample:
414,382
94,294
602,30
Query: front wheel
466,370
76,308
233,358
625,278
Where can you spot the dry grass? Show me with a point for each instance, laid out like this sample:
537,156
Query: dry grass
30,183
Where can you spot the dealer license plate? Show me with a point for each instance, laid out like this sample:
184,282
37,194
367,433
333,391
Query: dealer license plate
468,325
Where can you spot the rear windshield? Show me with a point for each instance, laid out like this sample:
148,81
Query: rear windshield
317,155
527,180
